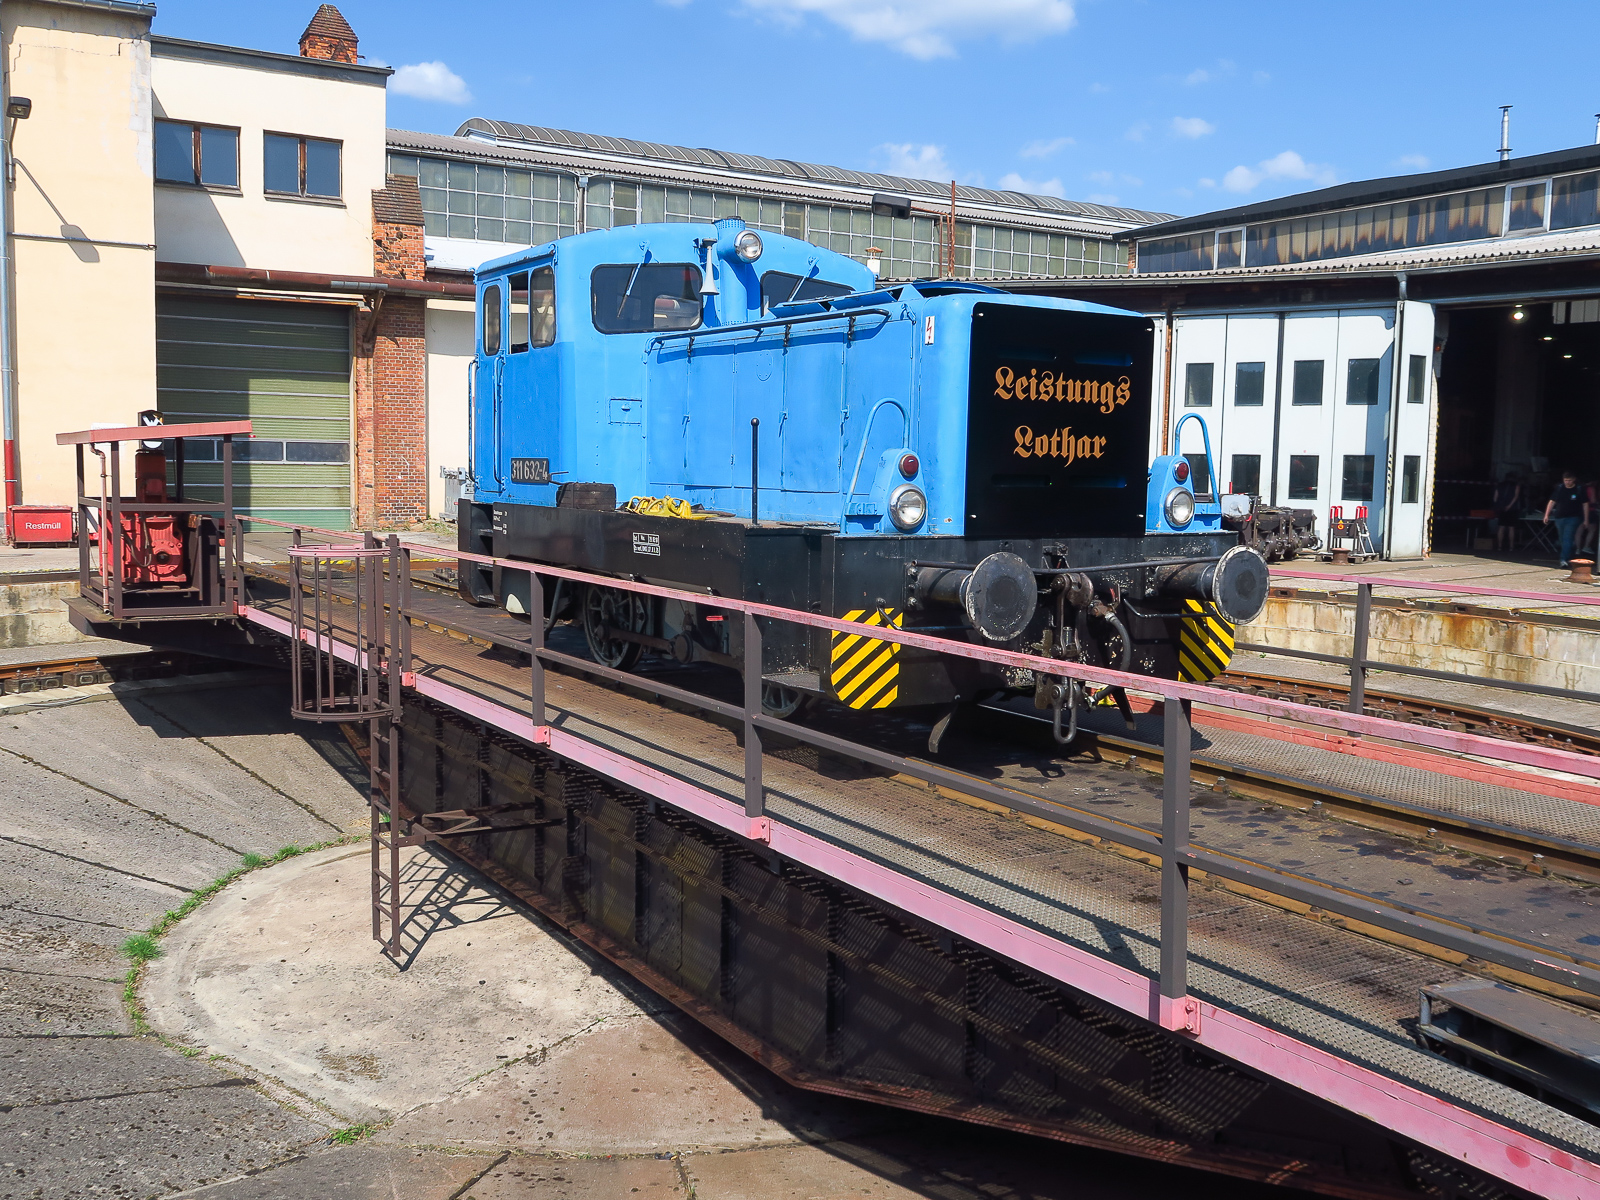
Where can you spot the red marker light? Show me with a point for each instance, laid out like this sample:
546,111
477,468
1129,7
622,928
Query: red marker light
909,465
1181,471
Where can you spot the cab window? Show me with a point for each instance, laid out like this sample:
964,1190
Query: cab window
533,309
645,297
779,287
490,308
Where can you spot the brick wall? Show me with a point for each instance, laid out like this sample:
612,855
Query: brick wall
391,372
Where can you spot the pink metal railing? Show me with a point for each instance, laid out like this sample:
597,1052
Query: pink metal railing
1173,847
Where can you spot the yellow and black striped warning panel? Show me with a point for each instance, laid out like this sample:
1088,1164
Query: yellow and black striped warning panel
1205,643
862,670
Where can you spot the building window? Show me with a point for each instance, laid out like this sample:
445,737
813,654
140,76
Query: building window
1230,248
1245,476
1527,207
1361,381
1417,379
302,166
1575,200
207,155
1192,253
1197,385
1307,381
1411,479
480,202
645,298
1303,470
1357,477
1249,384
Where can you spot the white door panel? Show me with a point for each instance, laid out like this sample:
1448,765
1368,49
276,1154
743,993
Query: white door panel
1200,354
1410,491
1361,394
1305,434
1249,385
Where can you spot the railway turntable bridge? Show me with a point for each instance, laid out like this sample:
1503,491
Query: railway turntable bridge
1062,946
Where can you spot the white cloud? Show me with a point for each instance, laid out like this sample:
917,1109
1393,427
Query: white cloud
1196,76
1287,165
1013,182
1192,127
928,29
1136,132
919,162
1208,183
1106,179
1099,89
1044,149
1417,162
1261,77
1102,198
430,81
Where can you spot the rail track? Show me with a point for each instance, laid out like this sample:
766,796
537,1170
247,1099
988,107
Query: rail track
84,670
1412,710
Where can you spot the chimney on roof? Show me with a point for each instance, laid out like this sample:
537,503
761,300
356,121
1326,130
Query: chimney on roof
1505,133
329,36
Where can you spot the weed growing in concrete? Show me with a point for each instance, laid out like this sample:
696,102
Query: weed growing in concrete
141,948
351,1134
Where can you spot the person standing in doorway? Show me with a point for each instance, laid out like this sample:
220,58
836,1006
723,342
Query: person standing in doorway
1567,509
1508,507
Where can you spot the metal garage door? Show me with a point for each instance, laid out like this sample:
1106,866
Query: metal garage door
284,366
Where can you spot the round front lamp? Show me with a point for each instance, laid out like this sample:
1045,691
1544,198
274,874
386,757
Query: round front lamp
908,507
748,245
1179,507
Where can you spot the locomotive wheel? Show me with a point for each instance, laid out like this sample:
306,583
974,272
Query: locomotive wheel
779,702
612,608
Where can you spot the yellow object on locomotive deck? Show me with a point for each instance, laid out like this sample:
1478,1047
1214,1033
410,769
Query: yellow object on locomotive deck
1205,643
864,671
665,506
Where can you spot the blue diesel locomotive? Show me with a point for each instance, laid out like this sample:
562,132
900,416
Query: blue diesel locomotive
748,415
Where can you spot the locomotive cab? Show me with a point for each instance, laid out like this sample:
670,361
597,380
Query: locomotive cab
731,411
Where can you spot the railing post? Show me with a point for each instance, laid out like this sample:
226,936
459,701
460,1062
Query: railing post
1175,796
1358,652
754,796
536,641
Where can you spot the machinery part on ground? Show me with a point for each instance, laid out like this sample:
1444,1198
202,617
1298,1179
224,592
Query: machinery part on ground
998,597
1236,584
1277,534
606,610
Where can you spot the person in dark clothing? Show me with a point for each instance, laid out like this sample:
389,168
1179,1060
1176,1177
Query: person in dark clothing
1508,505
1567,509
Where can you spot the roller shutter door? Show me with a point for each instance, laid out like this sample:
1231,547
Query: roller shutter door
286,367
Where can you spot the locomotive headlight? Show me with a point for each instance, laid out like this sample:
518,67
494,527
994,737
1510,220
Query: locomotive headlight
748,245
908,507
1179,507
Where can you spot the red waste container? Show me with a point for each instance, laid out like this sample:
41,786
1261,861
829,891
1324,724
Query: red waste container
39,525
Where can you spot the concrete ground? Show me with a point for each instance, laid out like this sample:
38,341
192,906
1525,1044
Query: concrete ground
503,1060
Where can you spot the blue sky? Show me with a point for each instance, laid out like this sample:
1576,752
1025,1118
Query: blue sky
1160,105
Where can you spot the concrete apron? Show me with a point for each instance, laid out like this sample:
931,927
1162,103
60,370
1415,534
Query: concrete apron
1520,648
497,1034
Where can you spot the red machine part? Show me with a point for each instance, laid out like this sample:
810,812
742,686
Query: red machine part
152,543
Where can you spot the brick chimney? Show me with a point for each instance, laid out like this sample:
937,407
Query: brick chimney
329,36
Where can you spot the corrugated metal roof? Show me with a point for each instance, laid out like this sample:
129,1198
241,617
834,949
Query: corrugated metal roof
1551,247
1385,191
594,143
